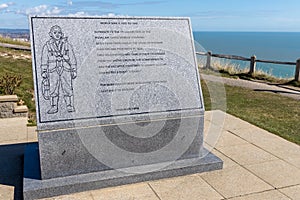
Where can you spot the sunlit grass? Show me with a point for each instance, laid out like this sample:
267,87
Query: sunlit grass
11,41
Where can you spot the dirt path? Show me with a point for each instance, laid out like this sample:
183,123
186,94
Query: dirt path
289,91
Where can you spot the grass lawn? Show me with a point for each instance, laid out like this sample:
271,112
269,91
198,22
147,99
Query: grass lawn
273,112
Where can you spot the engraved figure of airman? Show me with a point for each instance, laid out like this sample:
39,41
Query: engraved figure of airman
59,68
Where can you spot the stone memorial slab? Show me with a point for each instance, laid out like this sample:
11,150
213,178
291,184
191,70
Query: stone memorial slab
118,101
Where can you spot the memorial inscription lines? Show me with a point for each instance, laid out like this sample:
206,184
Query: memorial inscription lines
122,52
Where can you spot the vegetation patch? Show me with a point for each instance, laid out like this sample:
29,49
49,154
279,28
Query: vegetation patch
19,68
11,41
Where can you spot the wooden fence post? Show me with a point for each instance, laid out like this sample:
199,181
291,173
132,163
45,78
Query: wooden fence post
297,71
252,65
208,60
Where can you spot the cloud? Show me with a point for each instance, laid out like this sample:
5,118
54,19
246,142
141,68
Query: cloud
81,13
109,5
78,14
144,3
94,4
113,15
55,11
40,10
5,5
95,7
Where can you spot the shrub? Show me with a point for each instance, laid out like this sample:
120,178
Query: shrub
9,82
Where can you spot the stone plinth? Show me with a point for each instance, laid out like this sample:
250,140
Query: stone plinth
118,101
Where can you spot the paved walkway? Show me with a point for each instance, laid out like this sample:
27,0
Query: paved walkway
292,92
14,46
257,165
15,130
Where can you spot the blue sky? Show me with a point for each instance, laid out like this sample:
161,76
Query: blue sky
217,15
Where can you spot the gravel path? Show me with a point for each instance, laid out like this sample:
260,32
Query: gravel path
289,91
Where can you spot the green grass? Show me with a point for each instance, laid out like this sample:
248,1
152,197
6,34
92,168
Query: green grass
11,41
273,112
23,67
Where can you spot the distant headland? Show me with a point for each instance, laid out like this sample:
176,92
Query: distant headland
15,34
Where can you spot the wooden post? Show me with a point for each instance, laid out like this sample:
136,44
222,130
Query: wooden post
252,65
208,60
297,71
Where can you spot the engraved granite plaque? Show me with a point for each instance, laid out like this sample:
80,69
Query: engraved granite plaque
110,67
118,99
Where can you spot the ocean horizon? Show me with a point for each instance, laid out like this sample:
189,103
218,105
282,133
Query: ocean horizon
277,46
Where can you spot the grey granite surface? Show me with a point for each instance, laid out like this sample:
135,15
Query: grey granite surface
79,151
110,67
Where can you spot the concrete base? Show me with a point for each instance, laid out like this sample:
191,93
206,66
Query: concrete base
34,187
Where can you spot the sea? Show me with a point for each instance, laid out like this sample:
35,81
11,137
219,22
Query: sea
15,33
277,46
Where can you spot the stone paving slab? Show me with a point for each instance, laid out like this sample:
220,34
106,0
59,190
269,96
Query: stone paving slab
268,195
134,191
15,130
227,162
31,134
226,139
6,192
77,196
180,188
272,144
292,192
257,165
277,173
235,181
246,154
293,160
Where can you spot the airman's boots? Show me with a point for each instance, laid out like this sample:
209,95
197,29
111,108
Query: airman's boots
54,107
70,103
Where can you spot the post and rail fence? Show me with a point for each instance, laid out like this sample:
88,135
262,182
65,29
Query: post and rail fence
253,60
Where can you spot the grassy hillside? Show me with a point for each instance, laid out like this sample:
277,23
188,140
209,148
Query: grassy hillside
19,63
